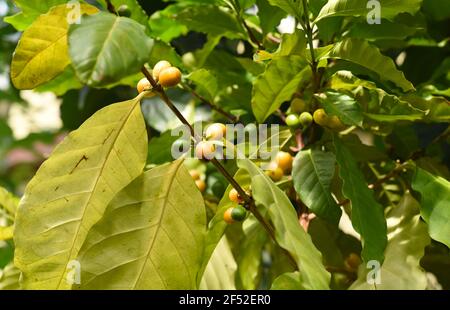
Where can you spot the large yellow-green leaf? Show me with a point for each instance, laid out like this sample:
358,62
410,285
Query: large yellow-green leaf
42,51
277,84
389,8
366,55
220,271
367,214
288,232
71,190
293,7
137,12
408,238
435,203
151,236
105,48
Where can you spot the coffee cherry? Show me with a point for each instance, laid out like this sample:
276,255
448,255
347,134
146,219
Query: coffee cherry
275,174
205,150
159,67
124,11
238,213
170,77
216,131
284,161
335,123
143,85
227,216
305,119
320,117
201,185
234,196
298,105
292,120
195,174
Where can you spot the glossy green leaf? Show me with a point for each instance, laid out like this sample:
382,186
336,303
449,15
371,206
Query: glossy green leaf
30,11
107,61
435,207
292,44
288,281
160,148
312,173
408,238
362,53
71,190
389,8
9,278
210,19
437,109
343,106
277,84
292,7
42,50
288,232
366,213
221,269
150,237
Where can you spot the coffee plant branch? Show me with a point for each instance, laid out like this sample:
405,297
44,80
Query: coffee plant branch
249,201
229,116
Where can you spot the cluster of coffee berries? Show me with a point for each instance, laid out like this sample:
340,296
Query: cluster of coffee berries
298,116
206,149
164,74
332,122
236,213
281,166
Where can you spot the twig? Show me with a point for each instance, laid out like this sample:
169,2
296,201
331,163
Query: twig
229,116
397,170
309,34
251,35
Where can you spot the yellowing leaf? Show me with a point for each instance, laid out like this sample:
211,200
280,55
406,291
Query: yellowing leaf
151,236
42,52
6,233
71,190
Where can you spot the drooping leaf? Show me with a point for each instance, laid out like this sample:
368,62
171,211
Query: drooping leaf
389,8
292,44
343,106
42,50
437,109
292,7
434,204
150,237
9,278
160,148
288,281
312,173
30,11
363,54
221,268
366,213
107,61
288,232
71,190
408,238
277,84
210,19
